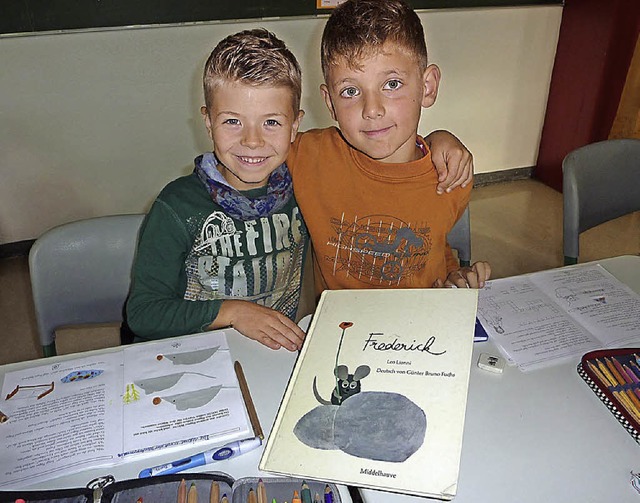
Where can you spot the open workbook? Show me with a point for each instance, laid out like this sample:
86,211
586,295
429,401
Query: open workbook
378,394
96,410
546,317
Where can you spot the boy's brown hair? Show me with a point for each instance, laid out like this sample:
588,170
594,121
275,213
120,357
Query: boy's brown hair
253,57
358,28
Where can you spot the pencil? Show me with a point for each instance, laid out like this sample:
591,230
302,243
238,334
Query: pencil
251,410
3,417
214,493
262,492
305,493
224,499
599,374
627,404
182,492
611,364
252,498
192,497
603,368
630,372
328,495
296,497
317,499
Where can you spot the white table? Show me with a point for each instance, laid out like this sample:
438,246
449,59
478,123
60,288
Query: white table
267,373
541,436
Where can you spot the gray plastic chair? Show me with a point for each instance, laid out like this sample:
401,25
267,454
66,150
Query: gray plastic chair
459,238
81,272
601,181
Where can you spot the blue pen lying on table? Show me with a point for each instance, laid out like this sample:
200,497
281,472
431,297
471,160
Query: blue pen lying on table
204,458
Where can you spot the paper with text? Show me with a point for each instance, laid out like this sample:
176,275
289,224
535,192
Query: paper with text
98,410
544,318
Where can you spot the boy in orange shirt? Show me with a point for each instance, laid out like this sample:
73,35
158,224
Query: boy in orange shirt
367,190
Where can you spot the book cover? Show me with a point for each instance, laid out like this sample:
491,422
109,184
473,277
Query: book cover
378,395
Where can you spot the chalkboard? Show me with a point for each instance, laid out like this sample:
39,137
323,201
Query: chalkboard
32,16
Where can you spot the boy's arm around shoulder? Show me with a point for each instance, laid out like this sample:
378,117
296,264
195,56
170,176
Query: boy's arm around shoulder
452,160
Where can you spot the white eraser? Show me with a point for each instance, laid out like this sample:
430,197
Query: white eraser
491,363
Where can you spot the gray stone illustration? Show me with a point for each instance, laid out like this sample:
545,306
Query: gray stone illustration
375,425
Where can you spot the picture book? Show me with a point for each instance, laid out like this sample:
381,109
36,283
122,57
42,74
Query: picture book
378,395
98,409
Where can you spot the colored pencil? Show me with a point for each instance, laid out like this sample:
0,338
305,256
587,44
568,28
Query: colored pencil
262,492
252,497
296,497
182,492
214,493
317,499
224,499
611,364
305,493
246,396
328,495
599,374
630,372
605,371
192,497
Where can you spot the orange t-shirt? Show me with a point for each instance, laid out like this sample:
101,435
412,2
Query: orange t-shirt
372,224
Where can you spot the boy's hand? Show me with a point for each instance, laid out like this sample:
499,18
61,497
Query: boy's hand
262,324
466,277
452,160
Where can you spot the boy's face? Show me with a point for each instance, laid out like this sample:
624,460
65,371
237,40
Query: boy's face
252,129
378,104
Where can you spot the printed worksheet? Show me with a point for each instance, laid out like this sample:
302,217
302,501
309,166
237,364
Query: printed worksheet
71,415
543,318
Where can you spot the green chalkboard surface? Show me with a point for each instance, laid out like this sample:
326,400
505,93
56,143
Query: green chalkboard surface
31,16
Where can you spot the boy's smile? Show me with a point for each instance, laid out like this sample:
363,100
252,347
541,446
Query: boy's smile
252,128
378,101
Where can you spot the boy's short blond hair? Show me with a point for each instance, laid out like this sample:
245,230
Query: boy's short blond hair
358,28
253,57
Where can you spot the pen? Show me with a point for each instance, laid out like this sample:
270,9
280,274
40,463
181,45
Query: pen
204,458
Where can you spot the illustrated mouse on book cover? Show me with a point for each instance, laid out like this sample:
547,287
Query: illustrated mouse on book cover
376,425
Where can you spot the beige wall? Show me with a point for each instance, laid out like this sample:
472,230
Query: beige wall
95,123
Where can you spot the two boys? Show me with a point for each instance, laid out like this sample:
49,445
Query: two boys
224,246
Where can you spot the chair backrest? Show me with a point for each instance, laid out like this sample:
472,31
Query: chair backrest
81,272
600,183
459,238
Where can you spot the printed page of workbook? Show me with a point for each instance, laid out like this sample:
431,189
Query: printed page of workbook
544,318
59,418
181,390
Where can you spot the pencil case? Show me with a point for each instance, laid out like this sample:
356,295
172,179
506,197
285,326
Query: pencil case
614,376
164,489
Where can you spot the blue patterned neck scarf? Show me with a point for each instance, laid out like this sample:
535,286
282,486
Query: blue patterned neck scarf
235,203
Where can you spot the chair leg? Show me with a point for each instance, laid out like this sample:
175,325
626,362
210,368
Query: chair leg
570,260
49,350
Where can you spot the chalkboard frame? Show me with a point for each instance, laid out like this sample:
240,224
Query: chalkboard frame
35,16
